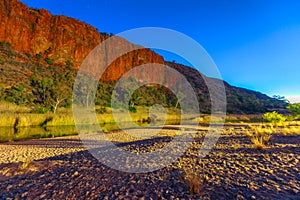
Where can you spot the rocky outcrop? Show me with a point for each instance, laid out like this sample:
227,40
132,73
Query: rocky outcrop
59,38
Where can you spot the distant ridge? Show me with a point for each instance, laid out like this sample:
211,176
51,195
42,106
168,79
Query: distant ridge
239,100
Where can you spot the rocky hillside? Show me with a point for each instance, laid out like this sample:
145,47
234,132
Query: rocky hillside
61,40
35,45
239,100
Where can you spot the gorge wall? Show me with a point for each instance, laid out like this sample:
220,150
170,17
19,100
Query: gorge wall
61,39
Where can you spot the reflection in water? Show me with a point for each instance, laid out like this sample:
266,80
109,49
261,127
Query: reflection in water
8,134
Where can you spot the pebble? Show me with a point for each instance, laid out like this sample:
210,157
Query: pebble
76,173
240,197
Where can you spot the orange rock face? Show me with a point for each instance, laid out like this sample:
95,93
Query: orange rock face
61,38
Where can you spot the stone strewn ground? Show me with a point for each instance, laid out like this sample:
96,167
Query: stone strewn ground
233,170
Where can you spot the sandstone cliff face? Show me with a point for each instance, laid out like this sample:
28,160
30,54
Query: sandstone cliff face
60,38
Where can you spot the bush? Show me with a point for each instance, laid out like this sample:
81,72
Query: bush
67,105
69,63
101,110
39,56
132,109
273,117
4,44
49,61
294,109
40,110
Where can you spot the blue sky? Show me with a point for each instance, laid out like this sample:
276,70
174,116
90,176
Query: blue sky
255,43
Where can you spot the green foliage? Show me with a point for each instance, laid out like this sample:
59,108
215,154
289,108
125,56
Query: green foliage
5,45
52,92
101,110
39,56
84,90
68,104
41,89
15,95
294,109
20,88
42,110
132,79
132,109
69,64
148,104
273,117
11,54
280,98
49,61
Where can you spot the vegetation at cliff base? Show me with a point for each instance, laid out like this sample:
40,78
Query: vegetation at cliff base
34,81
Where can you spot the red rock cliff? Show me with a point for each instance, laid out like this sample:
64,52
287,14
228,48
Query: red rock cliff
60,38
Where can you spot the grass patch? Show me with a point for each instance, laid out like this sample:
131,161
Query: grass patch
243,118
289,128
21,120
9,134
6,107
61,120
7,119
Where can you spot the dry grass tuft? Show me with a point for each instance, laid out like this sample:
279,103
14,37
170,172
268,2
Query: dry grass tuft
26,164
261,135
258,142
195,181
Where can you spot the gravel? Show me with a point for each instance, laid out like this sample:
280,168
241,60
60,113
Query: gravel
61,168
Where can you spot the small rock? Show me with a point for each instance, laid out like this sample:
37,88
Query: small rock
233,190
42,196
76,173
240,197
24,194
9,187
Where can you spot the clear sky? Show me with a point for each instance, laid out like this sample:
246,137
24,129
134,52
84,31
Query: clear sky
255,43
